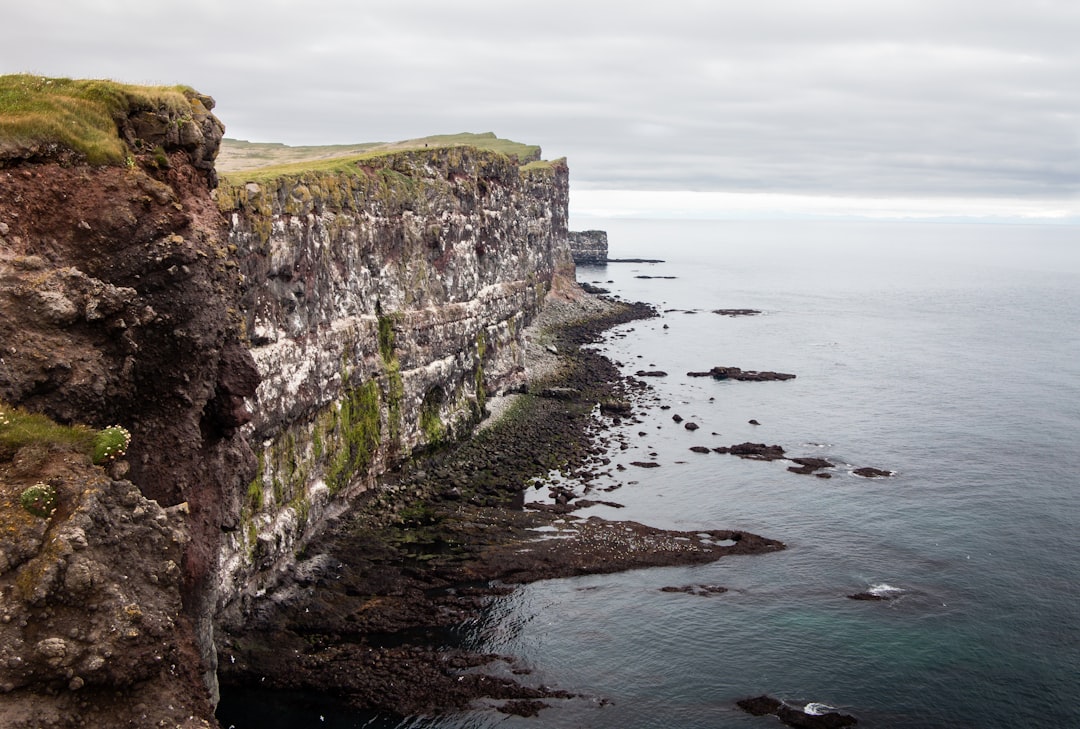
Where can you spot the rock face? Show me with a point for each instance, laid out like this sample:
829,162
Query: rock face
92,634
589,247
271,349
118,305
384,303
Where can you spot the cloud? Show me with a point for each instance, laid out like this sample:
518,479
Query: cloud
904,98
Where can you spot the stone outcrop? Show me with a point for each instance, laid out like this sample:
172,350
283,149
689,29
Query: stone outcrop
589,247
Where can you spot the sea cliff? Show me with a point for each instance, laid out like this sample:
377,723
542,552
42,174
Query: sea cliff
589,247
384,302
272,344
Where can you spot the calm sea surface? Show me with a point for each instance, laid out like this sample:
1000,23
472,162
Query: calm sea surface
947,353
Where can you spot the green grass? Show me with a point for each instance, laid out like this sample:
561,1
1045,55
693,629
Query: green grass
80,115
237,155
19,428
241,162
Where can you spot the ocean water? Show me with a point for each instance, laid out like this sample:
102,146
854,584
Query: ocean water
947,353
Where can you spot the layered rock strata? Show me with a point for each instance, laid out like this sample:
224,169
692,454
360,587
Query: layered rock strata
384,303
272,349
589,247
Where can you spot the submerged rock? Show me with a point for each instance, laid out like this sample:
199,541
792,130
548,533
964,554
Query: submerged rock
812,716
700,590
736,312
870,472
753,451
735,373
809,465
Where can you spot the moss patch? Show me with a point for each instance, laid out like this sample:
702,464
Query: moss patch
356,435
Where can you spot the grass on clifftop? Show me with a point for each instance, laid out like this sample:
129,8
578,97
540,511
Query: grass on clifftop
241,161
78,114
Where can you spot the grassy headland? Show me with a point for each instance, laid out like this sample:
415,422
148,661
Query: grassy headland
80,115
240,161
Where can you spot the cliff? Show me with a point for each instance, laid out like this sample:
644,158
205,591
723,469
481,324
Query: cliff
272,346
385,298
589,247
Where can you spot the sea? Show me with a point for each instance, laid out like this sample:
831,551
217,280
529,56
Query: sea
945,353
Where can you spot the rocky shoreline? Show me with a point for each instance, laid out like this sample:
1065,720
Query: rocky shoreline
364,614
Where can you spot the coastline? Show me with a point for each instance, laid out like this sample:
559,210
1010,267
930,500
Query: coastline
364,614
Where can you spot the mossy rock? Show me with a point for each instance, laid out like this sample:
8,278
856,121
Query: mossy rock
39,500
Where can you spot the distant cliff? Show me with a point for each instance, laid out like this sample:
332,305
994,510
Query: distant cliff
272,346
589,247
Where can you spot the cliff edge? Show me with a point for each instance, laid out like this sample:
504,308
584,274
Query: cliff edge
115,301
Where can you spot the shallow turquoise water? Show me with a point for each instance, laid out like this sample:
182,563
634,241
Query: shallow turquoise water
947,353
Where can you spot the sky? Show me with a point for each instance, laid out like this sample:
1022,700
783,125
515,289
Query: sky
879,108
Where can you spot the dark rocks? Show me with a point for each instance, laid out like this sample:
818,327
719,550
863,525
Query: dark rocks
809,465
677,418
654,277
699,449
615,407
754,451
753,422
735,373
870,472
813,716
586,503
651,373
736,312
645,464
759,705
700,590
595,290
691,426
522,707
560,393
869,596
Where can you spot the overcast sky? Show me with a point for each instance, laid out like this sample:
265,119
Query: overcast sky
963,104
